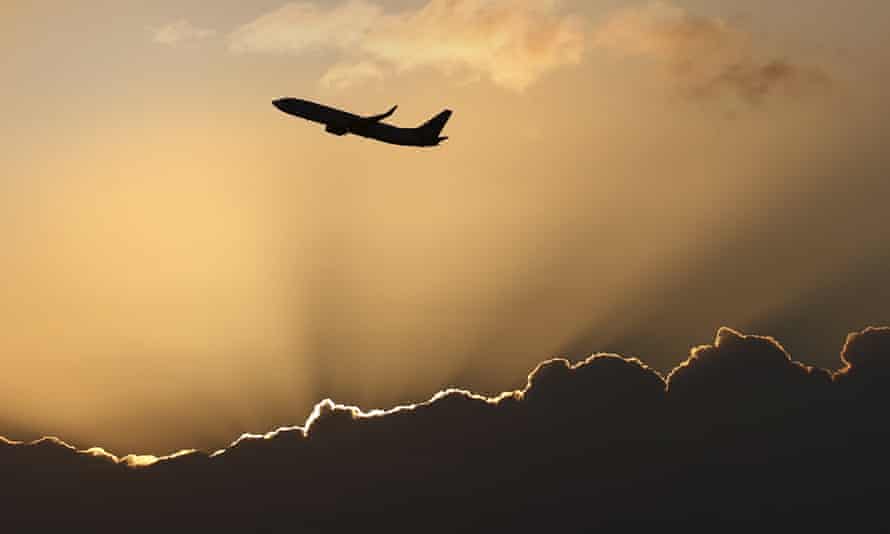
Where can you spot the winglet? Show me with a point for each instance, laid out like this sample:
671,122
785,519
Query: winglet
378,118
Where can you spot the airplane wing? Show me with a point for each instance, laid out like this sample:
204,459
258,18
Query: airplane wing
378,118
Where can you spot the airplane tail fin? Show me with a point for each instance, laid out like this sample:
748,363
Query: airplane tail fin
433,127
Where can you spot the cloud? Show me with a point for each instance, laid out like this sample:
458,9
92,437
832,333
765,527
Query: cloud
744,380
738,357
302,26
346,75
867,351
738,431
512,43
52,443
705,56
180,31
515,43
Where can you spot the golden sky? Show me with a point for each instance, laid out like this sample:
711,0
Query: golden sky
183,261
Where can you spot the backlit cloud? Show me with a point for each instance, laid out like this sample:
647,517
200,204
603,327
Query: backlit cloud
180,31
738,431
706,56
511,43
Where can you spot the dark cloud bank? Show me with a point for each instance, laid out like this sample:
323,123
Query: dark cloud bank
738,432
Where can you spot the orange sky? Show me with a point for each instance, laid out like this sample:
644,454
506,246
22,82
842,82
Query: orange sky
184,261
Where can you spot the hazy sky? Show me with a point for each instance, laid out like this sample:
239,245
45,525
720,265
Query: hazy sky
183,261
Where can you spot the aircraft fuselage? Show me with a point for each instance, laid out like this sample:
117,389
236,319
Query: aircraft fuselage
339,122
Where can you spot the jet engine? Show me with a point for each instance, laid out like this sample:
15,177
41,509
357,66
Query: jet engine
336,129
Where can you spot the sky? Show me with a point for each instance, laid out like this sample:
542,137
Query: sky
182,260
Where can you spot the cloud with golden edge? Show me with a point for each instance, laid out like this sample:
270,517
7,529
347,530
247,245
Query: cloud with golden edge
730,352
328,406
746,427
130,460
512,43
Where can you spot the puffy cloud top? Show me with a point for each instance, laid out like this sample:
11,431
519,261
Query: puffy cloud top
742,433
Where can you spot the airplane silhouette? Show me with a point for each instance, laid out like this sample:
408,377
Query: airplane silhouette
339,122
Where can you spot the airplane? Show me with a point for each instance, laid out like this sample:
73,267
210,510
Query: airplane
339,122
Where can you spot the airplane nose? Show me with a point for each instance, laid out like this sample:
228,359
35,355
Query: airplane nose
283,103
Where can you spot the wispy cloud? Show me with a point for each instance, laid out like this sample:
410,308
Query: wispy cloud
512,43
345,75
180,31
705,56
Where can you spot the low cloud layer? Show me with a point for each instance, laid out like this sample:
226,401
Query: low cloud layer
180,31
704,56
512,43
738,432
